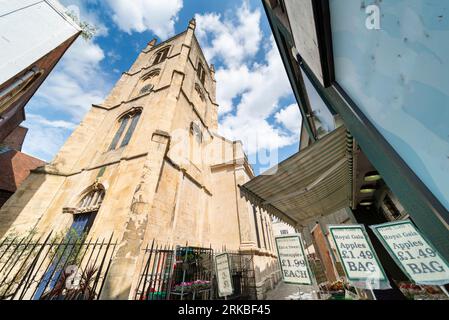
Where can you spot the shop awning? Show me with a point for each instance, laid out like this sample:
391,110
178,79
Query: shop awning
314,182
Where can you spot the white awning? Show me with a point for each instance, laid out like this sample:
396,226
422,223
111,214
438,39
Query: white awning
313,183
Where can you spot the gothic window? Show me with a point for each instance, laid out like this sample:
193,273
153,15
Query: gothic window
201,73
196,132
199,91
146,89
93,198
161,55
152,74
128,124
147,82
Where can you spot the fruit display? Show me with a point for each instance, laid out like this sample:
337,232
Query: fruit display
421,292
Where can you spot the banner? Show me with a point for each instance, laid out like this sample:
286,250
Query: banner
293,261
360,262
224,279
413,253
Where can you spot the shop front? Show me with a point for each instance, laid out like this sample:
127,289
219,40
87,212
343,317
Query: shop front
369,80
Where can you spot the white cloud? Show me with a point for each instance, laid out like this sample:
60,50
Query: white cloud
142,15
249,91
44,137
290,117
75,83
232,40
61,124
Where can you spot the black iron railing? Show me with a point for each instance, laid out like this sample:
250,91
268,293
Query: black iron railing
243,276
176,273
37,269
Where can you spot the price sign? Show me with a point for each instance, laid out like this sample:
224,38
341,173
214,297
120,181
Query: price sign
223,275
414,254
293,261
361,265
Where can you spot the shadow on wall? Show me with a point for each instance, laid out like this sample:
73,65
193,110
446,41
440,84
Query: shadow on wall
268,274
13,208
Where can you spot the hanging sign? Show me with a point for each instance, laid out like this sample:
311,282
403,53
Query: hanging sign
224,279
414,254
293,261
360,262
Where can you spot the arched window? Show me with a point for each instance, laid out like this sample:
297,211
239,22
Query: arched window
92,199
128,123
201,73
161,55
199,91
146,89
147,82
196,132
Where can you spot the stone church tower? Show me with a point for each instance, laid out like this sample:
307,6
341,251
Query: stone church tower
148,164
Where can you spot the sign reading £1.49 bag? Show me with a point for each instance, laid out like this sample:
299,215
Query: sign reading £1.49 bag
294,264
223,275
360,262
413,253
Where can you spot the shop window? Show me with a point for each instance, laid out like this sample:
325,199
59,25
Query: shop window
397,77
322,117
161,55
128,124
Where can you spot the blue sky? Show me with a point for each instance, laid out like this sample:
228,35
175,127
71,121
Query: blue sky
255,98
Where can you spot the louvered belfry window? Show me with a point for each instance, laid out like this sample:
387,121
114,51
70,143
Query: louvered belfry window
161,56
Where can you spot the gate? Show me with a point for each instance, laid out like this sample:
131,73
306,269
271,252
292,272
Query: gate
54,270
243,277
176,273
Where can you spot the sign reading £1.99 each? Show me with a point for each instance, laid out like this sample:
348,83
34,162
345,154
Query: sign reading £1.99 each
413,253
293,261
223,275
357,255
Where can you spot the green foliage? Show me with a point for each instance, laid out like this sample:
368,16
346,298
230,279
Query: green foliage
88,30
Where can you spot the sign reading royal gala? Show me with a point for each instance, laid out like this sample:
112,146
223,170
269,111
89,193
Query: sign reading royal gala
294,264
223,275
413,253
359,260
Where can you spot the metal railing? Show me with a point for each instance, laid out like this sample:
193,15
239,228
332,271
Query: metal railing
50,269
175,273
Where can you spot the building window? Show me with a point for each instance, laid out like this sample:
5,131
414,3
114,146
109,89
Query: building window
146,89
200,92
161,55
128,124
201,73
146,82
196,132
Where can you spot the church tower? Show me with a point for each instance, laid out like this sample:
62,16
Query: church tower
148,164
